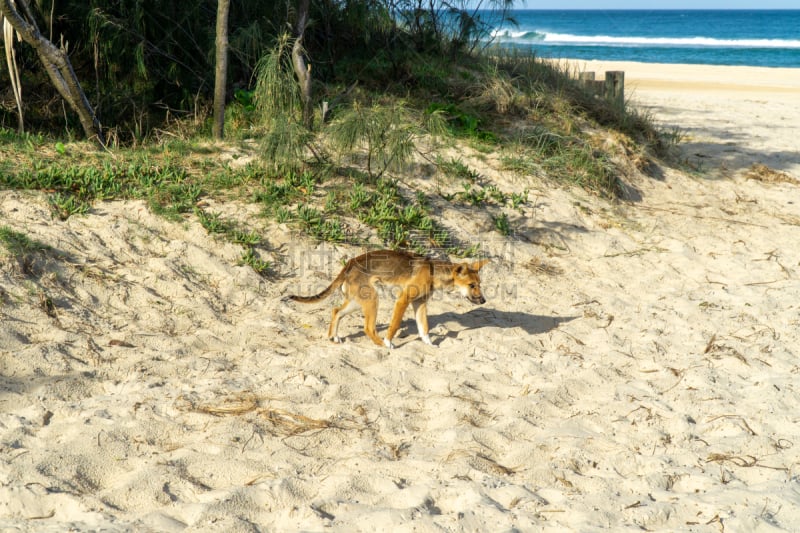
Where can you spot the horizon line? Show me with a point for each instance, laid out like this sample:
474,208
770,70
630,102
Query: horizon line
652,9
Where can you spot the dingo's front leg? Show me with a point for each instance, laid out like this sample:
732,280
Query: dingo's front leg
421,316
397,317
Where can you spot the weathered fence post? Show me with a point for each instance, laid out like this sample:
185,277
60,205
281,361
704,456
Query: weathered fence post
588,81
612,89
615,87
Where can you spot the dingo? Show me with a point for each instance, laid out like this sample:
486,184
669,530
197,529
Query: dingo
416,276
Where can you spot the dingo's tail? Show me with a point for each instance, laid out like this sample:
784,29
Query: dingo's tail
335,284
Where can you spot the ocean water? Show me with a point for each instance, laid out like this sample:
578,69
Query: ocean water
767,38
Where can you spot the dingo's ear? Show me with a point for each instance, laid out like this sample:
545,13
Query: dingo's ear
460,269
478,264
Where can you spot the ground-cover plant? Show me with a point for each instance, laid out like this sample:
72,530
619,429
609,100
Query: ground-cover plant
490,197
476,190
277,192
64,205
518,199
395,218
457,169
251,258
475,194
215,224
174,198
402,221
319,225
502,224
461,123
168,188
240,113
398,221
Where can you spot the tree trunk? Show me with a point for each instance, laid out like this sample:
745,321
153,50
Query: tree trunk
223,8
13,70
301,69
57,65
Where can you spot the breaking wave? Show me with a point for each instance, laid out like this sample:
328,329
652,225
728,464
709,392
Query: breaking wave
565,39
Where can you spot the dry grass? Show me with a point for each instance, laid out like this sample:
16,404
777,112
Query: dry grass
289,424
282,422
238,404
765,174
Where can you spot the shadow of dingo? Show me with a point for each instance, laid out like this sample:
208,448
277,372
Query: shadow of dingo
481,318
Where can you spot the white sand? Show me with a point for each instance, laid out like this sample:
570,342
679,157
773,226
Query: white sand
729,116
635,368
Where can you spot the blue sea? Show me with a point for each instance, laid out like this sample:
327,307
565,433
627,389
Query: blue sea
763,38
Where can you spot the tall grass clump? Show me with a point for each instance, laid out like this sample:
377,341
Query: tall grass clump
278,106
384,134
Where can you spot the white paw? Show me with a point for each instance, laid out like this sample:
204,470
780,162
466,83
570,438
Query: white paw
388,344
427,340
337,340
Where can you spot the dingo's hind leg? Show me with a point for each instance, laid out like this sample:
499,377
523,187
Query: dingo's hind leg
420,307
370,306
349,306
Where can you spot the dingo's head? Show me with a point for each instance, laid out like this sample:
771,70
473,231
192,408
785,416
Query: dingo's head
468,282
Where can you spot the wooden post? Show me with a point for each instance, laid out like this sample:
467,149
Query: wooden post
325,110
615,87
588,81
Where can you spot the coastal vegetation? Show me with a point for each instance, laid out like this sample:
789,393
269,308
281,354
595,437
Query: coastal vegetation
330,106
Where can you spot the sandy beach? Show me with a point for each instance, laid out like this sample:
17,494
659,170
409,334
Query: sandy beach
634,368
730,117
